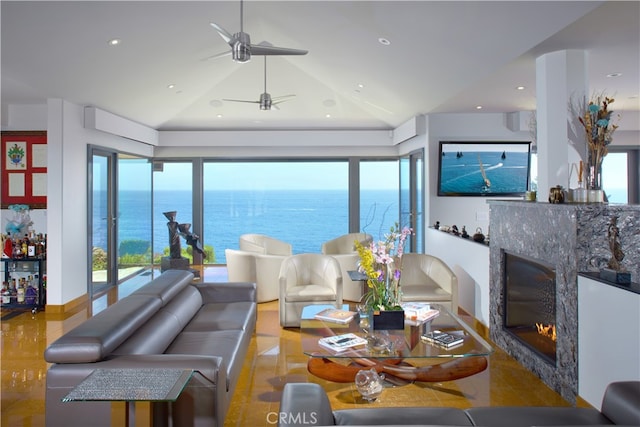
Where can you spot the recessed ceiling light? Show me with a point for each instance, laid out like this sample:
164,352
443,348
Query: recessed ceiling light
328,116
171,86
520,87
384,41
114,42
478,107
614,75
219,116
360,85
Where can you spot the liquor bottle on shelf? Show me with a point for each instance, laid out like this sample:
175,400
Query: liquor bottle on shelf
20,294
7,250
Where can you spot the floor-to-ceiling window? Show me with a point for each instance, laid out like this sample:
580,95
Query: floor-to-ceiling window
134,215
172,191
621,175
379,196
301,202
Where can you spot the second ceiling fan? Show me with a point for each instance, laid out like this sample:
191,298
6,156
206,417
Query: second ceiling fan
266,101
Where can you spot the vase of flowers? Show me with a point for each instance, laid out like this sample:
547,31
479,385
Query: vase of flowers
381,262
596,119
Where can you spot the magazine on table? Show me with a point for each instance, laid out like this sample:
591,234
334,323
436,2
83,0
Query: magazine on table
443,339
342,342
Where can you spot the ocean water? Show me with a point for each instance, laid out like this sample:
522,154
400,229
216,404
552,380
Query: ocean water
463,175
303,218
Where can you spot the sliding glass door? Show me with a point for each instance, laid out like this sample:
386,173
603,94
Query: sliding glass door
119,217
412,198
102,220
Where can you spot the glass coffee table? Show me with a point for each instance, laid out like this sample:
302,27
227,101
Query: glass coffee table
401,355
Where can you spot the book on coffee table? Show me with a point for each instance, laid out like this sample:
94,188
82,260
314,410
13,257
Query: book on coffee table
417,313
443,339
342,342
336,315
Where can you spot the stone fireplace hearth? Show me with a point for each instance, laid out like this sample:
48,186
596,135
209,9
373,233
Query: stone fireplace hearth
571,238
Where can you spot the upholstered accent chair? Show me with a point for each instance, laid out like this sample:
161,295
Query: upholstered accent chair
258,260
343,249
308,279
427,278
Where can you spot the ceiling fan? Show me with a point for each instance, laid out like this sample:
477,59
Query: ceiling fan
241,47
266,101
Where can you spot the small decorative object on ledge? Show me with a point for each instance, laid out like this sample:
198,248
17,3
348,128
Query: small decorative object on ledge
614,271
478,236
556,194
530,196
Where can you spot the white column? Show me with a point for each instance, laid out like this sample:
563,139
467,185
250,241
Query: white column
560,76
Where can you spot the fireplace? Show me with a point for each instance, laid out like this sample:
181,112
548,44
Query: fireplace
530,304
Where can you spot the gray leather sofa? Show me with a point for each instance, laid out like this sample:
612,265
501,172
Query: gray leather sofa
168,323
306,404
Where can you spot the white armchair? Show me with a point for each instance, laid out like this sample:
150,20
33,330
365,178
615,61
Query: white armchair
258,260
308,279
427,278
343,250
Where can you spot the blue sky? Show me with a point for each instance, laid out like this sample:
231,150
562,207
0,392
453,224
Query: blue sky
261,176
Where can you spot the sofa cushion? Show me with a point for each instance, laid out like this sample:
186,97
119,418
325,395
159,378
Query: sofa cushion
525,416
167,285
310,293
223,316
156,335
428,291
98,336
231,346
409,416
621,402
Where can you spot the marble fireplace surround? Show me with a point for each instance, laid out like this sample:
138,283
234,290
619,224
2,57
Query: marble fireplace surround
572,238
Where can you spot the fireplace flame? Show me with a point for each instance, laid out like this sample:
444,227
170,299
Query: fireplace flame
547,331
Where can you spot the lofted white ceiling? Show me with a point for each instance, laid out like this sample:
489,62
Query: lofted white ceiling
443,57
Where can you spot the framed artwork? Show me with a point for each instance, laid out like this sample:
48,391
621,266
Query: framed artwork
24,169
485,169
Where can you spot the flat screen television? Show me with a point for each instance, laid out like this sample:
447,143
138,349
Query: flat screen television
484,168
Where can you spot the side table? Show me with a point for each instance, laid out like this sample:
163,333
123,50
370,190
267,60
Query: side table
131,386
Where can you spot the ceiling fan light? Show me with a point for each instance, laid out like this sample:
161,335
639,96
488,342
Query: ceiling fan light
241,52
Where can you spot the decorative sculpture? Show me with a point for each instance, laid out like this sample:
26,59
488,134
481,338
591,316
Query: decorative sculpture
175,260
614,271
613,233
175,249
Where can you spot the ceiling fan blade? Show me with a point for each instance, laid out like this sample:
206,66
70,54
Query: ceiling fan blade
219,55
226,36
257,49
279,99
242,100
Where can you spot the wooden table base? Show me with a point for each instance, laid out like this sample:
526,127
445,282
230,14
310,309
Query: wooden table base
452,370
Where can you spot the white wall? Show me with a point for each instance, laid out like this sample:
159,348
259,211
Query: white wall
67,155
472,212
608,338
470,263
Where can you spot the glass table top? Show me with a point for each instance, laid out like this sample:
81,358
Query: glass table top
407,343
